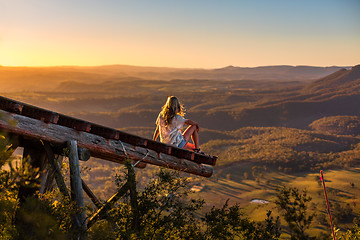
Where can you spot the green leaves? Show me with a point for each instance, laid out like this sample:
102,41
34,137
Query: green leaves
293,205
167,211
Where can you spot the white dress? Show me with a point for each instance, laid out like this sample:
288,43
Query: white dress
171,134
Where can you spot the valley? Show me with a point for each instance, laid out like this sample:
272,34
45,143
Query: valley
269,126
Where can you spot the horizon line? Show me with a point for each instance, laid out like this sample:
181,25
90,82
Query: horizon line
147,66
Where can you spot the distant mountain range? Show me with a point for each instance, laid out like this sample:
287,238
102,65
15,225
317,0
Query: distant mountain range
336,94
48,78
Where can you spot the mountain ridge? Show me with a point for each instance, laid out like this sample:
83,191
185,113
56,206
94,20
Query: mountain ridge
45,78
332,95
336,79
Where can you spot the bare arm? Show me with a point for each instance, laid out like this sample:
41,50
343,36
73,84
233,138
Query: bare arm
156,133
192,123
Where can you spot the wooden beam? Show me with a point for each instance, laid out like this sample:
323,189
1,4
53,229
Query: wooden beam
47,180
58,177
76,186
91,195
107,149
103,210
57,173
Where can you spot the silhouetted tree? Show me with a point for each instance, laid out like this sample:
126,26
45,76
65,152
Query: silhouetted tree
293,206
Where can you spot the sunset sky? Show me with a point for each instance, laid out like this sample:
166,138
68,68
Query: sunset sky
183,33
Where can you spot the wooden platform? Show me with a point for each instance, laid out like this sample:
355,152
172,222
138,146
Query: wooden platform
102,142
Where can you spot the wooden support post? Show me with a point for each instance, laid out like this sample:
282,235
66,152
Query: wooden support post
36,156
57,173
14,140
76,186
47,180
133,196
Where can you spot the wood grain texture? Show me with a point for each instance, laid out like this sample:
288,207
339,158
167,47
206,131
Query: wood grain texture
107,149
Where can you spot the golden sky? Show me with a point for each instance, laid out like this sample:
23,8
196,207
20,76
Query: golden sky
195,34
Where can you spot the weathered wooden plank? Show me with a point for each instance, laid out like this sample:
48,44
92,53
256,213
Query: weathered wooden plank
106,132
103,131
108,149
112,150
168,161
10,105
58,135
74,123
76,186
131,139
200,158
40,114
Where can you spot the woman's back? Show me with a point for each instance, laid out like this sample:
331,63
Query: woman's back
170,133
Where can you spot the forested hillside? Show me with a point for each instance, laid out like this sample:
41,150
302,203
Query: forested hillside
341,125
287,148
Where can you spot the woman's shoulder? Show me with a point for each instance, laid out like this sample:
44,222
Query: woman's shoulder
180,118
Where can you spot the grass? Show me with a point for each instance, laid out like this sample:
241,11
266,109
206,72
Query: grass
230,184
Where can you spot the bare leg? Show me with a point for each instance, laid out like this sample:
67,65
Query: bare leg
191,132
189,146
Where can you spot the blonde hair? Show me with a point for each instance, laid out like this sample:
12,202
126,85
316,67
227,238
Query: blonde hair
171,108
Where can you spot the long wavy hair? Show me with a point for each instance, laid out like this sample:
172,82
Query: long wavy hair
171,108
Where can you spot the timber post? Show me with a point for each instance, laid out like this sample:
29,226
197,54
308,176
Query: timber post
36,157
131,179
35,160
55,167
76,187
